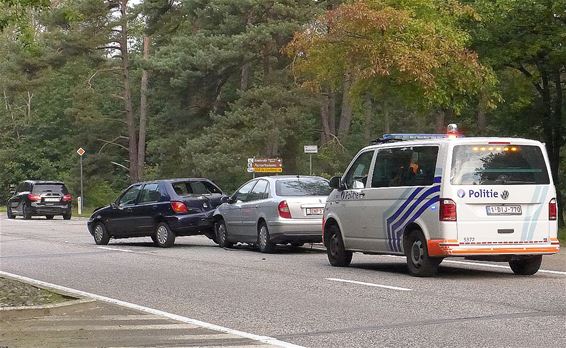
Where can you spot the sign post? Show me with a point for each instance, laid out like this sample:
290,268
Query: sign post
310,149
265,165
80,201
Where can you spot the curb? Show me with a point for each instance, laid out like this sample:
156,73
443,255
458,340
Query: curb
26,312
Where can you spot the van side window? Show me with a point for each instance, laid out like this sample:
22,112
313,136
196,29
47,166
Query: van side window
358,173
405,166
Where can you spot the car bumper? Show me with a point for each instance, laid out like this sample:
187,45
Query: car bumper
50,209
442,248
296,230
191,224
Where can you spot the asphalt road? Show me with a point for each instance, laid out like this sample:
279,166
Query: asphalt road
295,295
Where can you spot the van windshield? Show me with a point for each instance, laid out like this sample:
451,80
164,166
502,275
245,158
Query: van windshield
498,165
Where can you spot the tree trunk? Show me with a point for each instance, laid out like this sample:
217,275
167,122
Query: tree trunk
557,140
439,126
368,113
346,114
324,118
245,76
482,121
143,109
130,120
332,112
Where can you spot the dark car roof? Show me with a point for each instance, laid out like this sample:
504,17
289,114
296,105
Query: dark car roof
45,182
171,180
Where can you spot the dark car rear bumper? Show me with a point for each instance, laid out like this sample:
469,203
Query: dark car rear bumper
50,209
191,224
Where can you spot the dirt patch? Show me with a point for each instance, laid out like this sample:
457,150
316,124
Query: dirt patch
15,294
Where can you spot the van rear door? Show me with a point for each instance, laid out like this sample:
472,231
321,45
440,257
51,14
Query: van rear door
502,192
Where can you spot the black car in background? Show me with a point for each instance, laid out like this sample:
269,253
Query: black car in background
162,210
46,198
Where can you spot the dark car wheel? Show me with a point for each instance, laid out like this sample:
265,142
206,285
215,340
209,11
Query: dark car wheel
10,213
26,212
418,261
165,237
222,234
67,216
526,266
49,217
100,234
337,254
264,243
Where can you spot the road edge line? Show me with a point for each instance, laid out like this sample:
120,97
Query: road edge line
262,339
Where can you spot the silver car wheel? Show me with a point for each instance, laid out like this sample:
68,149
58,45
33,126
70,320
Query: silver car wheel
98,233
162,234
263,236
221,234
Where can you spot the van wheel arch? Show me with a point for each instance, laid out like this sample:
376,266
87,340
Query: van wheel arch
330,222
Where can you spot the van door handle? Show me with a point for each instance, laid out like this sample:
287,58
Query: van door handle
362,195
257,206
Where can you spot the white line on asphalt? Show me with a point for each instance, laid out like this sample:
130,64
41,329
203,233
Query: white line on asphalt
263,339
487,265
368,284
116,249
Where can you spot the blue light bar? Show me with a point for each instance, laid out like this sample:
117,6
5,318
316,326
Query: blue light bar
415,136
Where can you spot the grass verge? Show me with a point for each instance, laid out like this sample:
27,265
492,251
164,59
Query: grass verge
15,294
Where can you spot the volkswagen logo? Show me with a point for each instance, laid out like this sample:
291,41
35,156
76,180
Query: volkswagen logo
505,194
461,193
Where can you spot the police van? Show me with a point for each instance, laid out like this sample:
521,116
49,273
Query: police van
432,196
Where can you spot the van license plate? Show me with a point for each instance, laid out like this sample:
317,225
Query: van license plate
504,210
315,211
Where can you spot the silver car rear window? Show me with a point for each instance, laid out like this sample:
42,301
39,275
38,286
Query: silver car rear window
302,187
503,164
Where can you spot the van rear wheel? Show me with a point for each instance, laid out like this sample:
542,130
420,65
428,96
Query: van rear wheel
418,261
337,254
527,265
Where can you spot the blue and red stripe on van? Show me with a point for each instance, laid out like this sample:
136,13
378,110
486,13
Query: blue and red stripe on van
419,200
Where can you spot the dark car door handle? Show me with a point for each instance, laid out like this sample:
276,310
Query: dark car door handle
129,210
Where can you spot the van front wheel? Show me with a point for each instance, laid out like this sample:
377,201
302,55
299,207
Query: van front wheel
338,256
418,261
527,265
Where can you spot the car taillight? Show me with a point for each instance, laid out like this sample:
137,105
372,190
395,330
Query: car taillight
283,210
552,209
179,207
34,197
447,210
67,198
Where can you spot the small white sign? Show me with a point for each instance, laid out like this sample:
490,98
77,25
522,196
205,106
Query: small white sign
311,148
81,151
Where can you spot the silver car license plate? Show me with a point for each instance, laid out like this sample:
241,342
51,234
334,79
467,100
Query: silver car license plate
315,211
504,210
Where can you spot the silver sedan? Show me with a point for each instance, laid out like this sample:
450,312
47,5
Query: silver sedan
273,210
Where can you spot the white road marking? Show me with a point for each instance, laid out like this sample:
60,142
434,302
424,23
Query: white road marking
470,263
116,249
258,338
368,284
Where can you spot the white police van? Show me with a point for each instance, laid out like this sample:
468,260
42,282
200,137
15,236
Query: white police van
432,196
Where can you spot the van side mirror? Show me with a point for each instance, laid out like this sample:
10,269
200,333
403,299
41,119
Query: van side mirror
336,183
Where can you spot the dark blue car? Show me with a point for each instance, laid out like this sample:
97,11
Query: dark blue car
162,210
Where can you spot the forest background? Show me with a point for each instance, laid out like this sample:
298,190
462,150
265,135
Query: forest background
183,88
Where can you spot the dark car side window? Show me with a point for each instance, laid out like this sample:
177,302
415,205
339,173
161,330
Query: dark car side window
130,196
150,194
